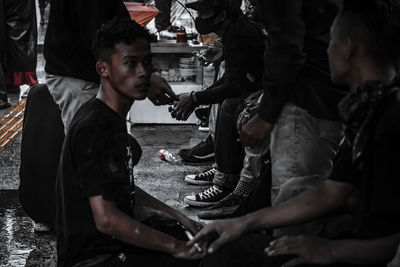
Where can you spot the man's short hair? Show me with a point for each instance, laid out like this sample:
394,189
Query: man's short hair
115,31
375,24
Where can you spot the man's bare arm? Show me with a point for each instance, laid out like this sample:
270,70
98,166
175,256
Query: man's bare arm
111,221
306,206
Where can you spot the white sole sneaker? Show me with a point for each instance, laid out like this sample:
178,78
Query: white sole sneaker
191,200
190,179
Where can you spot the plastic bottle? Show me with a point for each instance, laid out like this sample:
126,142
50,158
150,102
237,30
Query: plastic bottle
167,156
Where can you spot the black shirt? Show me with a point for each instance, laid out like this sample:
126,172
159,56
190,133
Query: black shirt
243,46
70,33
296,61
376,174
97,158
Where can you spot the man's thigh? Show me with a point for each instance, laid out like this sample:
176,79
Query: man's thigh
246,251
302,145
69,94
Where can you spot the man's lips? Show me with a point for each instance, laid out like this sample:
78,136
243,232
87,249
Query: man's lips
143,86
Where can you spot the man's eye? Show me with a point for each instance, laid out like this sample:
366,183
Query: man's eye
132,63
147,61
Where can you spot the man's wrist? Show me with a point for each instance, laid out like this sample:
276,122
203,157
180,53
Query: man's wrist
193,97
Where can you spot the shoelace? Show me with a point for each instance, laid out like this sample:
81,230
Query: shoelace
207,173
210,192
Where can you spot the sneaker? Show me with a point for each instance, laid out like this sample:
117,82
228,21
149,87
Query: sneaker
204,127
223,208
203,151
203,113
42,227
25,93
208,197
203,178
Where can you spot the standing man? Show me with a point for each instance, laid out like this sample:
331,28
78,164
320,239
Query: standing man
70,73
299,106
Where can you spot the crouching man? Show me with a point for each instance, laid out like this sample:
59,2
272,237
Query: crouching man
95,190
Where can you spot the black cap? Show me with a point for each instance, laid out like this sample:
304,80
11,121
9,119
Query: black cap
201,5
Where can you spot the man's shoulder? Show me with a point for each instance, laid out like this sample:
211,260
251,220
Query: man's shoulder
92,116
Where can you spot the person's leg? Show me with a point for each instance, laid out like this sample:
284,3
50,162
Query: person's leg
42,6
212,120
302,152
249,178
228,155
248,250
3,91
162,20
69,94
251,170
228,150
21,37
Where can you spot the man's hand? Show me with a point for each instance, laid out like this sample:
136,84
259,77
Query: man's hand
309,249
183,252
160,93
183,108
211,55
215,235
255,131
193,226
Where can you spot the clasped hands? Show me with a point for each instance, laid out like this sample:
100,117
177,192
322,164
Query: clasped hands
182,109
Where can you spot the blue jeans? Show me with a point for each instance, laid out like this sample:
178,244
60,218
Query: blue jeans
302,151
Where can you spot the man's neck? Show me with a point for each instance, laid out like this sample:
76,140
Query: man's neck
115,101
369,72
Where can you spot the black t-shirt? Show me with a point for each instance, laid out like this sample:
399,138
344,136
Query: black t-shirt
70,34
97,158
376,174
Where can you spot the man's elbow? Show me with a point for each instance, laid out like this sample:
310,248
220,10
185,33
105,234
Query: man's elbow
104,224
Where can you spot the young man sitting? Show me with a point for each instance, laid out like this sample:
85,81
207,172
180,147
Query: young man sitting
95,190
364,55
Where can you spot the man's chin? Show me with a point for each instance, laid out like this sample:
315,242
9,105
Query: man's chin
141,96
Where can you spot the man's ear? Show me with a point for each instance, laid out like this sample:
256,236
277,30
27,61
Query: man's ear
102,69
349,48
220,17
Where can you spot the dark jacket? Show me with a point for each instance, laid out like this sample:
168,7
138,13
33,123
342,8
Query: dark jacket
243,54
296,61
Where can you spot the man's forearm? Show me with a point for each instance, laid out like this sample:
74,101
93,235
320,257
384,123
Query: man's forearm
306,206
111,221
365,251
147,200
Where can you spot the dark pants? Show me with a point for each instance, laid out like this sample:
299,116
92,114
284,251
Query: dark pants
249,251
162,20
228,151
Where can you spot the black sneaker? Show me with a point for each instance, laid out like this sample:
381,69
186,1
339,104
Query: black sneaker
223,208
202,152
208,197
203,178
204,127
203,113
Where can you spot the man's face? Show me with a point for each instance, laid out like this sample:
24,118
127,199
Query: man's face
130,69
339,67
